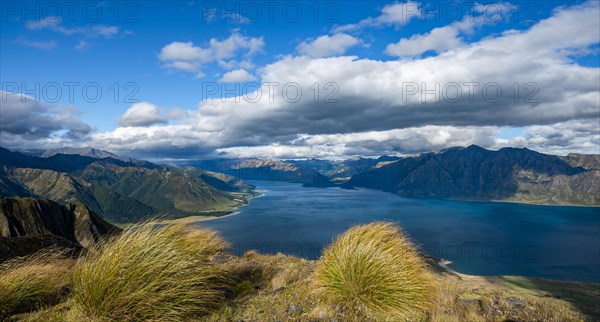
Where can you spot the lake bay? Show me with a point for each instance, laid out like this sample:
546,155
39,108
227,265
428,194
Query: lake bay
479,238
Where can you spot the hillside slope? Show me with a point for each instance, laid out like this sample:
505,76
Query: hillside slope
508,174
120,191
29,217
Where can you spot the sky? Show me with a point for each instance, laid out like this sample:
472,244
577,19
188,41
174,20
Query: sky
184,80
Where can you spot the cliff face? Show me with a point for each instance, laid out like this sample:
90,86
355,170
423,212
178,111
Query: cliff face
24,217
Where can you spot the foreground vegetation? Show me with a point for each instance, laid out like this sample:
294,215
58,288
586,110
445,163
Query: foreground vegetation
176,273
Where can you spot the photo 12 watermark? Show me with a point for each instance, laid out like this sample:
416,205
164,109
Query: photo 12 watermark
70,92
70,11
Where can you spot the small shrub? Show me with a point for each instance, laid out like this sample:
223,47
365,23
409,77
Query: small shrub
147,273
374,271
30,282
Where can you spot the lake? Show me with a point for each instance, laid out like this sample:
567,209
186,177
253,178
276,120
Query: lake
480,238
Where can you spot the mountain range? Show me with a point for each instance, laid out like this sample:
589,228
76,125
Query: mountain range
474,173
124,190
120,191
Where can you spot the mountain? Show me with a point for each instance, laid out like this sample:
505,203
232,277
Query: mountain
266,170
117,190
220,181
508,174
26,219
275,170
87,152
342,170
166,189
586,161
95,154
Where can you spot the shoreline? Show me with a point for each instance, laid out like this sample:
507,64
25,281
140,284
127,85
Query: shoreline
228,213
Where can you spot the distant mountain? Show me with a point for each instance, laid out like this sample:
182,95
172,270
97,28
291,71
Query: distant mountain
23,221
118,190
220,181
87,152
508,174
586,161
342,170
266,170
96,154
275,170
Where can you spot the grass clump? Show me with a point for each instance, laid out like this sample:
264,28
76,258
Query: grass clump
31,282
375,272
198,241
147,273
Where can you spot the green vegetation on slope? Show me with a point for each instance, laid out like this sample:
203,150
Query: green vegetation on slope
122,191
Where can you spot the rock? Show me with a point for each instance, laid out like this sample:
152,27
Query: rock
514,302
294,309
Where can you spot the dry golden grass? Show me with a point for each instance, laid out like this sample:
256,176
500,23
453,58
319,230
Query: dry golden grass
198,241
31,282
472,299
147,273
374,271
370,273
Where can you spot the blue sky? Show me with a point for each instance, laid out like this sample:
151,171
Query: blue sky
167,53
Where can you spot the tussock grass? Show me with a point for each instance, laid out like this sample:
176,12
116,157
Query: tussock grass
148,273
375,272
31,282
198,241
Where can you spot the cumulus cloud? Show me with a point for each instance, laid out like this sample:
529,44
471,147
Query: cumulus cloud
326,45
141,114
397,14
237,76
25,120
375,111
237,50
370,107
372,143
582,136
449,37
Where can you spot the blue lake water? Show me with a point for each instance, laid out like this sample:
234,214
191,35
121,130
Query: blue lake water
481,238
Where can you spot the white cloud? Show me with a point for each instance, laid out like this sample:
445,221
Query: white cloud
375,116
237,76
449,37
24,120
188,57
54,23
324,46
397,14
141,114
44,45
82,46
582,136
